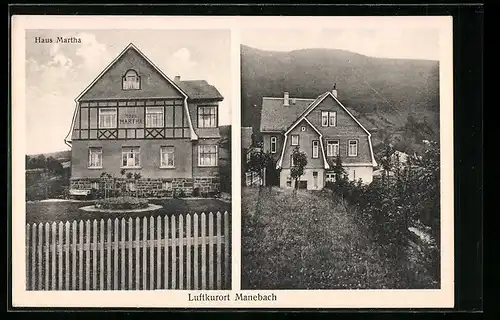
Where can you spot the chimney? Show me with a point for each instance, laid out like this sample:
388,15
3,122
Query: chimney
177,78
334,90
286,99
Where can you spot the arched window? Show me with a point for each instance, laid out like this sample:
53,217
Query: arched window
131,80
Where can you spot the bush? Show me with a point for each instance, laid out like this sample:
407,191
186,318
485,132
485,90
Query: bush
122,203
196,192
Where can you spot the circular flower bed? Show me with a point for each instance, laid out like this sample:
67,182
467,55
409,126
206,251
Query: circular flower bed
122,203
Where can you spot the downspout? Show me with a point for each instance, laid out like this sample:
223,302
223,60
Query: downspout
66,141
194,136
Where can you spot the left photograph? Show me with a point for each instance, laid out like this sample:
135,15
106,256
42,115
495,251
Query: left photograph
128,159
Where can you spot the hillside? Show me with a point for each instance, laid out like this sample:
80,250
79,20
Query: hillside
63,155
405,88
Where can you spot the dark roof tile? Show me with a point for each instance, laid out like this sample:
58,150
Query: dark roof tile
199,89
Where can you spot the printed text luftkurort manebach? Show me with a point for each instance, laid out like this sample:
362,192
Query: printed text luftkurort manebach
227,297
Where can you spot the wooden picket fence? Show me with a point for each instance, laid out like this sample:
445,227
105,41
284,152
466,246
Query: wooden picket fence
177,252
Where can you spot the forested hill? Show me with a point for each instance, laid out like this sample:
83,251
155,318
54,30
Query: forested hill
396,99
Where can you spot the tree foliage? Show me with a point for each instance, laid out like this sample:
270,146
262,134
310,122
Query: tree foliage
299,164
409,197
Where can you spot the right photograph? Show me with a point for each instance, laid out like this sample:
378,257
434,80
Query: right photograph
340,159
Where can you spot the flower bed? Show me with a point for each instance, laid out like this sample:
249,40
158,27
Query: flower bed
122,203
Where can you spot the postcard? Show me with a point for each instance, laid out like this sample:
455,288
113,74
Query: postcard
232,162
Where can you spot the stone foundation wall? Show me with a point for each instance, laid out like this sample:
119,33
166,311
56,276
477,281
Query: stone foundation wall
155,187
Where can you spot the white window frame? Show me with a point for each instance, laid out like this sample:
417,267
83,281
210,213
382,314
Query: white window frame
273,144
202,150
349,148
330,177
207,123
303,128
97,151
151,114
315,175
332,115
136,152
315,149
292,164
330,151
298,140
131,80
113,123
324,116
168,151
288,182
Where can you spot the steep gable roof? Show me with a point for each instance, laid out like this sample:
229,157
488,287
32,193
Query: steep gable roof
131,46
316,102
276,117
199,89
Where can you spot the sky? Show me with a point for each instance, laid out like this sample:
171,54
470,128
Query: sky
407,43
57,73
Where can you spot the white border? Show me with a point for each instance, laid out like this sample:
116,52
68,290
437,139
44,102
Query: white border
286,298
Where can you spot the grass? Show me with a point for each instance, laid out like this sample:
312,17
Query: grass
68,211
307,241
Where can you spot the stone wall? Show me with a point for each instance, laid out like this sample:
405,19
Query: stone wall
156,187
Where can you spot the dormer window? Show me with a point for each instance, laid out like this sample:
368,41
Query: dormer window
131,81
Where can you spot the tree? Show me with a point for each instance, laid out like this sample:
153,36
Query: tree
299,162
258,161
339,170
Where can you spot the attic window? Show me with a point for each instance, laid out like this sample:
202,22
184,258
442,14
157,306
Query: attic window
131,81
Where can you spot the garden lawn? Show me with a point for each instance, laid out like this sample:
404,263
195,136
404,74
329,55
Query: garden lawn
307,241
69,211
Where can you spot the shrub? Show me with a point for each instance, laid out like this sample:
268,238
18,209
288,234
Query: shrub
122,203
196,192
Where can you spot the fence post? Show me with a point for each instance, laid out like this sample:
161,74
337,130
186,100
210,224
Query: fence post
165,253
115,255
173,248
47,261
94,254
73,257
66,248
188,251
203,252
219,256
151,252
211,251
59,257
108,255
158,252
122,255
137,254
33,257
144,252
27,231
195,252
53,257
181,251
40,253
227,246
101,255
87,255
130,249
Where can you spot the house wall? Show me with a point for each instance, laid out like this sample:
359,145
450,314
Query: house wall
149,158
307,176
266,138
153,84
305,145
365,173
193,112
345,130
